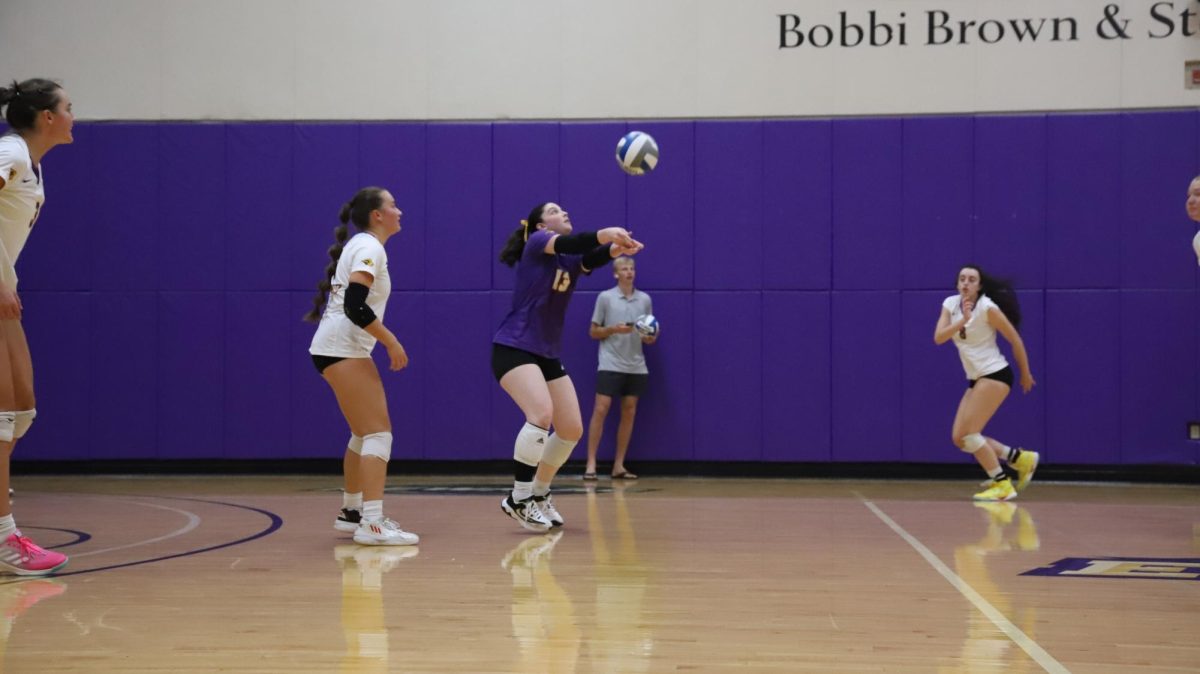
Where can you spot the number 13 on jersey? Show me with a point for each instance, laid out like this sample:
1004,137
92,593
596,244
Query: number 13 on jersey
562,281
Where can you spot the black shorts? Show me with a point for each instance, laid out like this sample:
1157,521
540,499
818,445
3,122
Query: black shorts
323,362
505,358
621,384
1004,376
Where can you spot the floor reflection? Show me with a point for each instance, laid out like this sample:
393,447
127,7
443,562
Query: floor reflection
621,641
363,622
1009,529
543,617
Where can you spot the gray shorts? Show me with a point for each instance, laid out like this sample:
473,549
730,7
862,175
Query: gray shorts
620,384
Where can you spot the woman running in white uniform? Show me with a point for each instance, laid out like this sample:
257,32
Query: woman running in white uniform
983,307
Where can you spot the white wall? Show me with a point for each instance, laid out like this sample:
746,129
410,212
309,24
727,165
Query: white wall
527,59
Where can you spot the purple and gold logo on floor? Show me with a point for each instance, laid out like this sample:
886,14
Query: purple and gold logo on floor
1121,567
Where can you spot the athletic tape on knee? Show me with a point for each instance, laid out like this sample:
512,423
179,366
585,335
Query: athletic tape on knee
557,451
355,444
8,422
530,444
378,444
973,442
22,422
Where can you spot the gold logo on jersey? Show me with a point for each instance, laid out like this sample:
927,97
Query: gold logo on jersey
12,173
368,262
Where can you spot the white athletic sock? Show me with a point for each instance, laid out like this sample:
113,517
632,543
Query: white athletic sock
7,527
997,474
522,490
352,501
372,510
540,488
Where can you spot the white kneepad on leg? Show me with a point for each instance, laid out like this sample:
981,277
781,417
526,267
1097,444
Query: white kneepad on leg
378,444
22,422
557,451
530,444
973,442
8,422
355,445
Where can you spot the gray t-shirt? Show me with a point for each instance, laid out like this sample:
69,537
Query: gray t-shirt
621,352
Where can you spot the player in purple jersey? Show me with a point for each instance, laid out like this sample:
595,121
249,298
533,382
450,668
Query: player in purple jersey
549,259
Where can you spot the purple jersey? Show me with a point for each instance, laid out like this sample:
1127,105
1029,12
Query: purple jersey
540,297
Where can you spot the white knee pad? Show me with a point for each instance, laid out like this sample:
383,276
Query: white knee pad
24,419
557,451
355,445
973,442
530,444
8,421
378,444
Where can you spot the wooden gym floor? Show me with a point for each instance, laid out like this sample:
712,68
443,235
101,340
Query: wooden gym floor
203,574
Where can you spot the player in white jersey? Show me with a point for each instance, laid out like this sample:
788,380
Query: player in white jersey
39,113
983,307
1193,211
350,306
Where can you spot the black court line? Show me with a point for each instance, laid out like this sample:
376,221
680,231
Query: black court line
80,536
276,523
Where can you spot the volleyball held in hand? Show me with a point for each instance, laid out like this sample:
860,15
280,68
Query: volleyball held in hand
646,325
637,153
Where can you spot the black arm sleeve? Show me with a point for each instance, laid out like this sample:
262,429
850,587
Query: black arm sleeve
356,305
597,257
576,244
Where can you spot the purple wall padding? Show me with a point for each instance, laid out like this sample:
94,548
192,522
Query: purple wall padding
728,395
1082,376
128,214
191,343
797,267
1010,197
1083,192
191,231
460,254
58,326
796,376
1158,364
259,209
867,189
797,209
457,386
123,394
1158,159
938,220
729,214
866,375
258,365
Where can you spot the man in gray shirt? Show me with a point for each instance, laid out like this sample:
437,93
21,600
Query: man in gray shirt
622,372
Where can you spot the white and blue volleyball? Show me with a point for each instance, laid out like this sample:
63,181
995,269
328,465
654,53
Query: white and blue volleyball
647,325
637,153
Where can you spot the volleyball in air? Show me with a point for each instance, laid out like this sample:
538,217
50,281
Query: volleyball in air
647,325
637,153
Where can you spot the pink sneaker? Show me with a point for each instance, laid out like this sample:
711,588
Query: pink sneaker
23,557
